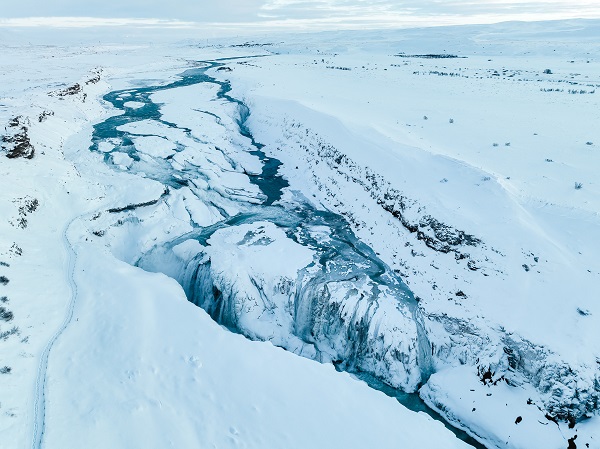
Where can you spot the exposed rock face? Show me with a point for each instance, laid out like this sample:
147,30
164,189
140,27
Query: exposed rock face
297,276
330,303
435,234
16,142
344,307
568,392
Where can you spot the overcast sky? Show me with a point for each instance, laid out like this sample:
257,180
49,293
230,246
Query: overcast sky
306,12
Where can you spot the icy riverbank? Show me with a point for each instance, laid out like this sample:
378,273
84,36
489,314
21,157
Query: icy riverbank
383,250
131,362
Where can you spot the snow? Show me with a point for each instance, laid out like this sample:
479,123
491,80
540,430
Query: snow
139,365
122,159
154,146
178,379
133,104
491,412
537,267
148,141
261,246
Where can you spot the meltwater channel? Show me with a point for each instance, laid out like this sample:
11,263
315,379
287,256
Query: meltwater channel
343,249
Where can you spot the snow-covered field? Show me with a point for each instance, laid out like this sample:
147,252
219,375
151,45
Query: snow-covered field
425,210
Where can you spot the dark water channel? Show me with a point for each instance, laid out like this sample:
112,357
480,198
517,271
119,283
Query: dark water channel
344,249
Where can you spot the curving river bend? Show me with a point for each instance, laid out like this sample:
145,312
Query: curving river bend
341,260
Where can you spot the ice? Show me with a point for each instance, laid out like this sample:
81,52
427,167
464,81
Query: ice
133,104
154,146
427,230
158,372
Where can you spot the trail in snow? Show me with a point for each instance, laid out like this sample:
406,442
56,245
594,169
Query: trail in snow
39,415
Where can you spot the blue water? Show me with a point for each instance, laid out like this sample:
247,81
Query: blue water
412,401
343,257
269,181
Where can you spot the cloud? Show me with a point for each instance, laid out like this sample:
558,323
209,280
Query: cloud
183,10
307,14
322,9
88,22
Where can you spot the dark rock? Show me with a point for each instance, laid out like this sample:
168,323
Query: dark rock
6,315
18,144
44,115
129,207
471,266
71,90
551,418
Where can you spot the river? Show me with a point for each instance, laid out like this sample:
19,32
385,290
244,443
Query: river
342,257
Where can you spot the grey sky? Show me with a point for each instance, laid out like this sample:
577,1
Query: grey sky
369,12
185,10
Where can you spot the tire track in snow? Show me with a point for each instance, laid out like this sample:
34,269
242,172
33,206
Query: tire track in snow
39,415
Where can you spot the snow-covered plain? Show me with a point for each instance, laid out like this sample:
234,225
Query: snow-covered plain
464,164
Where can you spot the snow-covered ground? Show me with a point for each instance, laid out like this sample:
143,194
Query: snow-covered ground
464,161
499,143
